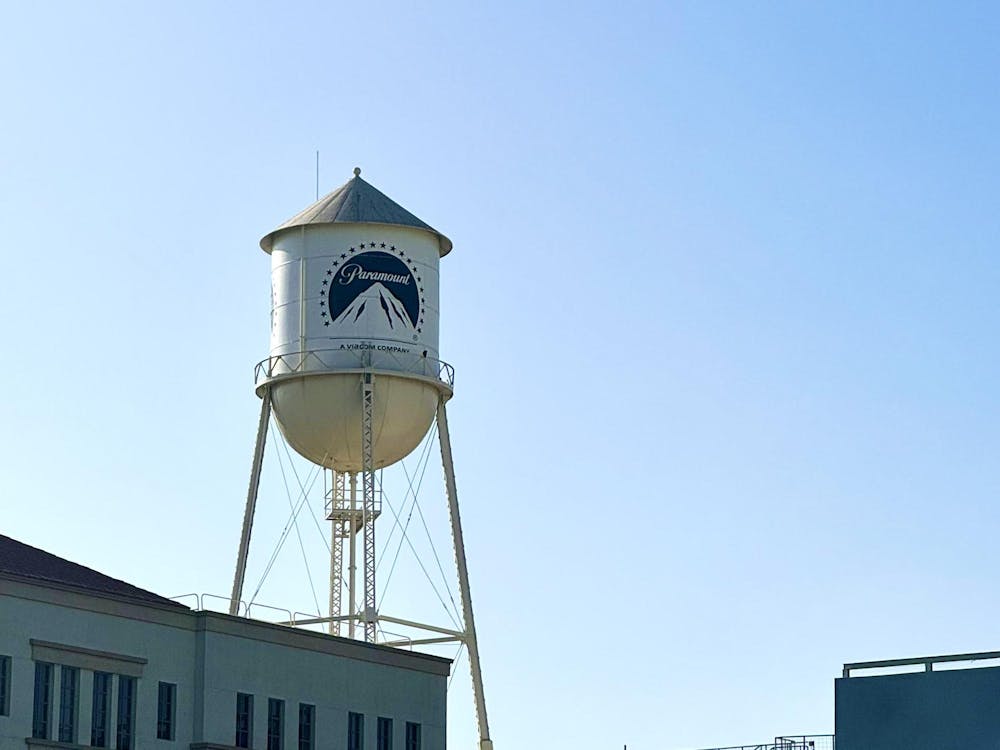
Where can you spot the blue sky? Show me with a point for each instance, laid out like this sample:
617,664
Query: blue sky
722,306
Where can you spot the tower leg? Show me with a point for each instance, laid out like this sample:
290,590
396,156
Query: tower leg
368,507
258,461
463,578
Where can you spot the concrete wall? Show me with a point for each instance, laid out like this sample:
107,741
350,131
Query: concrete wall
333,684
945,710
211,657
169,651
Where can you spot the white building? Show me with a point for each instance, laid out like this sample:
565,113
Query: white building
90,661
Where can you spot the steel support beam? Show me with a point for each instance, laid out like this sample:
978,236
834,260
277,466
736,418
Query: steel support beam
459,634
352,578
368,507
312,620
337,502
251,506
420,641
444,438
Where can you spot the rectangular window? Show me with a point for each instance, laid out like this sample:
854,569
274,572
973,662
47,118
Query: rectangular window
100,714
244,720
166,711
69,690
275,724
383,734
126,713
307,730
42,714
355,731
4,686
412,735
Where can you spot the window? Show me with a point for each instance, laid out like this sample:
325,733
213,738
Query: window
383,734
244,720
307,727
4,686
100,715
355,731
69,690
42,714
126,713
412,736
275,724
166,711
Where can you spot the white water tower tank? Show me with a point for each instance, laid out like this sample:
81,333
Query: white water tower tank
354,289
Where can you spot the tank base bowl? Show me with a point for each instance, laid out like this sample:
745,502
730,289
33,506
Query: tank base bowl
320,415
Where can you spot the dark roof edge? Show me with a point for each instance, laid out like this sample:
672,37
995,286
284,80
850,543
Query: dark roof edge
66,571
165,604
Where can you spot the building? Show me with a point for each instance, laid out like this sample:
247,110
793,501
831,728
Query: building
936,707
90,661
949,702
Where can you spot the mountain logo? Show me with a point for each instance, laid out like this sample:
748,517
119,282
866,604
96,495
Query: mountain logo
378,286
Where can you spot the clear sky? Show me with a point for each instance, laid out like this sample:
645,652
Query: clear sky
722,305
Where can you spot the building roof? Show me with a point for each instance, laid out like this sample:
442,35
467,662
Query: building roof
24,561
356,202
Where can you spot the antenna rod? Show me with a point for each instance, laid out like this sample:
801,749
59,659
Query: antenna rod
317,174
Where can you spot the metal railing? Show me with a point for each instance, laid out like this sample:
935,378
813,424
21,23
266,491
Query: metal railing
304,620
250,610
792,742
806,742
927,662
356,354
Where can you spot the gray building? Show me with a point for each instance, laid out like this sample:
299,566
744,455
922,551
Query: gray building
90,661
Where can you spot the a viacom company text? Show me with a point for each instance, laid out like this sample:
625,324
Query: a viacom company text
373,347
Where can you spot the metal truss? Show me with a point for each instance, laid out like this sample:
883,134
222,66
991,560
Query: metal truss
368,506
336,504
347,520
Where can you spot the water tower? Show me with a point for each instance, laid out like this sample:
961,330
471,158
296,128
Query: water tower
354,382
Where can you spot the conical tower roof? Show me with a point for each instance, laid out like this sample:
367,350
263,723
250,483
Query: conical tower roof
356,202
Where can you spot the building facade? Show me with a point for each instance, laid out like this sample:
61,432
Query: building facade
90,661
940,702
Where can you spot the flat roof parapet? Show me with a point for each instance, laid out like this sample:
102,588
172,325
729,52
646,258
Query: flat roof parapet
927,662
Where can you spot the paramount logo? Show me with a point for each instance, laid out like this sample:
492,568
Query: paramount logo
373,290
354,272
